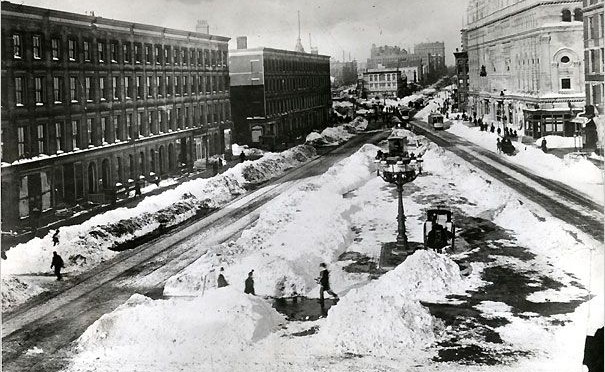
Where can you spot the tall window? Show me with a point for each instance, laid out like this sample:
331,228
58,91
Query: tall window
59,143
39,90
167,55
148,86
126,52
19,91
185,85
88,89
101,50
103,88
158,85
103,132
177,86
75,135
86,50
158,55
113,52
141,123
168,86
21,140
55,52
37,46
58,89
137,53
73,89
89,131
140,93
71,49
17,46
566,83
117,133
41,139
127,85
147,54
115,88
129,125
566,15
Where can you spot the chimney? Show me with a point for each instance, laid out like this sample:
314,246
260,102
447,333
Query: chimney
202,27
242,42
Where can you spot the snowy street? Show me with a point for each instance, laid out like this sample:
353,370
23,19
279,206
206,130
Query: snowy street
526,247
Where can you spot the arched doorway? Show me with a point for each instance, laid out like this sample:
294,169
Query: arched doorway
106,174
217,144
152,166
92,177
171,156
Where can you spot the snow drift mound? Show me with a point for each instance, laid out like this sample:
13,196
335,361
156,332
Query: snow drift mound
145,332
330,136
394,320
357,125
16,291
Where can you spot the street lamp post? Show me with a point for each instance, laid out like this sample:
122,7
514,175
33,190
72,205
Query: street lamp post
403,171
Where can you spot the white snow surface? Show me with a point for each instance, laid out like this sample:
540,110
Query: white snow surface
87,244
331,136
580,174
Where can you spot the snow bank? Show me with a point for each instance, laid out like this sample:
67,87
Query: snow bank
249,151
357,125
580,174
331,136
558,142
16,291
393,321
86,245
176,333
290,238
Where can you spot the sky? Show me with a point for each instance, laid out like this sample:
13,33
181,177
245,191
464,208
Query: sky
335,25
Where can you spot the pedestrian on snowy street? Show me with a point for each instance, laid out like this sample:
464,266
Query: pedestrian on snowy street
58,264
222,282
56,238
220,163
492,128
324,282
543,145
215,167
242,157
137,188
498,145
249,284
498,131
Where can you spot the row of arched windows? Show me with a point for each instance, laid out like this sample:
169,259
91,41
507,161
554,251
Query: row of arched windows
566,15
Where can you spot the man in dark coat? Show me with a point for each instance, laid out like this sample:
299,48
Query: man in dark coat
221,282
249,284
242,157
324,282
56,238
58,264
437,238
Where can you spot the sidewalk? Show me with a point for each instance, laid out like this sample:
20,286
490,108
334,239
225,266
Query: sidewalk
53,222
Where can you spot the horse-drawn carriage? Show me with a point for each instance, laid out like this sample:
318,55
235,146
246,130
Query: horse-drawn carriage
439,229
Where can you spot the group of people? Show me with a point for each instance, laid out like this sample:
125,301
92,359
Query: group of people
505,145
323,280
483,127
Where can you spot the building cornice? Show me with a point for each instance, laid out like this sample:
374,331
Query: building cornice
265,50
524,34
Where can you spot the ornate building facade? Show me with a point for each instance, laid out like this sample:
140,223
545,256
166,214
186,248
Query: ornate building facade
91,105
278,95
594,63
526,64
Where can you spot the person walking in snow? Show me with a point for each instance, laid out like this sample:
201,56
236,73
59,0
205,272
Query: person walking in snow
58,264
56,238
543,145
249,284
498,145
221,282
324,282
242,157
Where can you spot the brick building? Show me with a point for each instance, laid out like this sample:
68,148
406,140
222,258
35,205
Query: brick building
92,104
383,82
461,93
278,95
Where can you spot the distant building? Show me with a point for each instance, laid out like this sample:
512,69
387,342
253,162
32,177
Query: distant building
394,57
461,93
594,67
278,95
433,53
412,73
89,103
344,73
525,64
383,82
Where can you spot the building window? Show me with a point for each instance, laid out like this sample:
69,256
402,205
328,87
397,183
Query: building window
137,53
105,130
168,86
158,55
19,91
577,15
148,86
17,47
41,139
126,52
59,144
185,85
117,133
55,52
113,52
21,141
115,88
566,15
37,46
86,50
71,49
141,122
75,135
140,93
127,85
88,89
158,85
39,90
167,55
129,125
101,50
103,88
147,54
73,89
57,89
565,59
89,132
566,83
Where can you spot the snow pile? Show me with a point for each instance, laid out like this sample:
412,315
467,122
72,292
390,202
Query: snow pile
359,124
341,104
330,136
558,142
85,245
393,319
249,151
16,291
142,332
290,238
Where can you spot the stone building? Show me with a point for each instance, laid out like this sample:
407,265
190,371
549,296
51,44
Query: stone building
433,53
526,64
394,57
461,92
92,105
383,82
594,68
278,95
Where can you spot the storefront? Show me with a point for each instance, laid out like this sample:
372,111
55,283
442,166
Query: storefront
540,123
